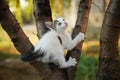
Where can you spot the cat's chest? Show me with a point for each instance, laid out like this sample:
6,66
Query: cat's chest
64,38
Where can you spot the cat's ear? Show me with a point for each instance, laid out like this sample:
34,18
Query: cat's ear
57,16
48,24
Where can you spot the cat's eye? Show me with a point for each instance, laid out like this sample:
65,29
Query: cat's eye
59,23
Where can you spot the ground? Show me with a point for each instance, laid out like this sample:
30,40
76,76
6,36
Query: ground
11,67
14,69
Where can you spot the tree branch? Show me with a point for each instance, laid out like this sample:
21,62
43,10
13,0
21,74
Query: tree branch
81,26
42,14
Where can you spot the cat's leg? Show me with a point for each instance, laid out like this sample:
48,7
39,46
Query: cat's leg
75,41
65,64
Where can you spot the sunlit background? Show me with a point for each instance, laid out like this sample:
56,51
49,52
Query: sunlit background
10,64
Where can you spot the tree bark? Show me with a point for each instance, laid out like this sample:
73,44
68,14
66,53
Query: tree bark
42,14
109,55
16,34
81,26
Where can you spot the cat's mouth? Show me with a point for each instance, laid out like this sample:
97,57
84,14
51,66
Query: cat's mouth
66,24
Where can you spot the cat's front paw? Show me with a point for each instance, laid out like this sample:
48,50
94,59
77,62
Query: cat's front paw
81,36
72,61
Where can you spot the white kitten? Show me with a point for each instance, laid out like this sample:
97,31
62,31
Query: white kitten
52,44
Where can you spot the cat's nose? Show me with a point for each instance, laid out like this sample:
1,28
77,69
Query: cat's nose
66,23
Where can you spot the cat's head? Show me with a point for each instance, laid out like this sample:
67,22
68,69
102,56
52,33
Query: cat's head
60,24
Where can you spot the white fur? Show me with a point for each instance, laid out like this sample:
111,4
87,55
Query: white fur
51,45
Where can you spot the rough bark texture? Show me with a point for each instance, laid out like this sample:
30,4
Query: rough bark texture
109,55
81,26
11,26
42,14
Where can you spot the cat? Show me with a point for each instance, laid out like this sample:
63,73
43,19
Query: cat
52,44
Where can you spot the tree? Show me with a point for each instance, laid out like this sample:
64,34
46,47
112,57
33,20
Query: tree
109,55
81,26
42,14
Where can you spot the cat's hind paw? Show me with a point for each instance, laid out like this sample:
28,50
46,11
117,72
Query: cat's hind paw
72,61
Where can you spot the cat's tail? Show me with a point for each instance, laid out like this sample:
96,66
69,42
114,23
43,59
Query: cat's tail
32,55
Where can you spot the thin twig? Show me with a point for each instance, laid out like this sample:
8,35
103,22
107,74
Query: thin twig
97,6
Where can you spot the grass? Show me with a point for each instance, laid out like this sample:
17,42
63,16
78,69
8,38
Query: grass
4,56
87,68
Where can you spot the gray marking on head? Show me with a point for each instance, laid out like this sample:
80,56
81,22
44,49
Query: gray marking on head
55,23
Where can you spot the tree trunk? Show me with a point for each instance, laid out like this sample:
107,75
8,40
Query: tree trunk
81,26
109,55
42,14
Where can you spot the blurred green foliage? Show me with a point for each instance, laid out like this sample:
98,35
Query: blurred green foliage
16,9
87,68
58,6
23,9
4,56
